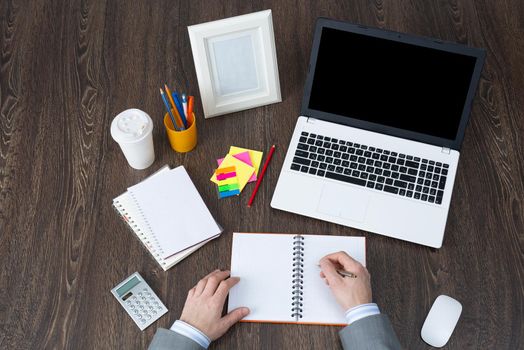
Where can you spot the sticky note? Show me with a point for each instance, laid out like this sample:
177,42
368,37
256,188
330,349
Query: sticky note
225,176
225,170
228,187
226,194
250,157
256,156
246,159
227,181
230,181
243,171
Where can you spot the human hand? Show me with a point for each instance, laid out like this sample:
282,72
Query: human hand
349,291
204,304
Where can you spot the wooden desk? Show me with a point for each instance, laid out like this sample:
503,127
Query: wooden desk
66,69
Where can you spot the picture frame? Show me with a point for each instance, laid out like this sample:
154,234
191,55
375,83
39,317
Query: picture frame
236,63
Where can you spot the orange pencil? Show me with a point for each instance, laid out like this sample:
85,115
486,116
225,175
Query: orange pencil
178,119
271,151
190,106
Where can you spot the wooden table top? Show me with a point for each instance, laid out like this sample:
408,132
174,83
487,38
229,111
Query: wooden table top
68,67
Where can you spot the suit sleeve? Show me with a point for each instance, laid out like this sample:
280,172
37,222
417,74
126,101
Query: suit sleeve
168,340
370,333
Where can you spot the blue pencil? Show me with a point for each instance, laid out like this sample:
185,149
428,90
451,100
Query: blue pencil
169,110
180,108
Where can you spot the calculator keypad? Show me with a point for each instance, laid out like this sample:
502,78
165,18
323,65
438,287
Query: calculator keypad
145,307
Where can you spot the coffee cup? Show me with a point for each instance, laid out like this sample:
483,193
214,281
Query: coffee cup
132,129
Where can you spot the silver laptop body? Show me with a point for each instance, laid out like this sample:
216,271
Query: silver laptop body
378,142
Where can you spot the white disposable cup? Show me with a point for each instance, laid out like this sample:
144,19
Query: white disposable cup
133,131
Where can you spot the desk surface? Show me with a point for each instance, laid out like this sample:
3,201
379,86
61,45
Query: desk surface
66,69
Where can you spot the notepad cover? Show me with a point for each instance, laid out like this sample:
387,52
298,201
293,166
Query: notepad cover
174,211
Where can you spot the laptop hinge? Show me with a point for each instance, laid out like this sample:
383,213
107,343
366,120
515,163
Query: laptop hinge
446,150
311,120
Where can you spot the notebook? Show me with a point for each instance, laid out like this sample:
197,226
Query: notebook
131,214
172,209
272,287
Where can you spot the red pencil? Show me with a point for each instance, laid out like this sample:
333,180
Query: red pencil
261,176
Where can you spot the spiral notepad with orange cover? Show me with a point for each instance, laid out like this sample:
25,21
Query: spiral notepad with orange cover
280,278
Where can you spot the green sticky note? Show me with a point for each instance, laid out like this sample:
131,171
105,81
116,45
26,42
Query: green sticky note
229,187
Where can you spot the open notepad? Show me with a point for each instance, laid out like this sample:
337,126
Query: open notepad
280,279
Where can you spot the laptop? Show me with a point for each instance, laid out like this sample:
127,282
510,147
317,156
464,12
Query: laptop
377,143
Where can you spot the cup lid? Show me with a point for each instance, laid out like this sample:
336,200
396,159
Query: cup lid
131,125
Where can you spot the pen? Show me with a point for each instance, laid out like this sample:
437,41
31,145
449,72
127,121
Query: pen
169,110
180,108
344,273
184,105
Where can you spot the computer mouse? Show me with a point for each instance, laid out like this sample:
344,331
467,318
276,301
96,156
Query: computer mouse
441,321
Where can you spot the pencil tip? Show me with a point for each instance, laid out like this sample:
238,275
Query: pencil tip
161,90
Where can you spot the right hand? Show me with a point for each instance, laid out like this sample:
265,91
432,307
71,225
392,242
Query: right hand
348,291
204,304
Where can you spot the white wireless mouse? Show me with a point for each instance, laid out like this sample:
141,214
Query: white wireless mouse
441,321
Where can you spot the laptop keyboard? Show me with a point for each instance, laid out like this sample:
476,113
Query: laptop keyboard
374,168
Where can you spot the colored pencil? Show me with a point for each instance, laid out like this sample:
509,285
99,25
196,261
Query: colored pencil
178,119
169,110
271,151
190,102
180,108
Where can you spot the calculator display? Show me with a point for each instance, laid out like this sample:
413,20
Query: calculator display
127,286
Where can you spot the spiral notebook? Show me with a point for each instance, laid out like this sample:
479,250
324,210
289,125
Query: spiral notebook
133,215
279,277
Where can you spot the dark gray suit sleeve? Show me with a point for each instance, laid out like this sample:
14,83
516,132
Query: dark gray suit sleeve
370,333
168,340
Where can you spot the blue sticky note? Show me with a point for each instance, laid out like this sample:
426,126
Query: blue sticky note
228,194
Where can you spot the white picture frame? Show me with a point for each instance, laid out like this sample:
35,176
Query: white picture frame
236,63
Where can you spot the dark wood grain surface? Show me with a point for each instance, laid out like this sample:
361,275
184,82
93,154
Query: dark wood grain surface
68,67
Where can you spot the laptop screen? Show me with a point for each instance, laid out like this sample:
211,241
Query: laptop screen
391,83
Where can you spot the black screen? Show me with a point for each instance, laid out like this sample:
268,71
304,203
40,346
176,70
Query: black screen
391,83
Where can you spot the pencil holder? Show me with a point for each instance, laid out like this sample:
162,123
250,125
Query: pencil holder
184,140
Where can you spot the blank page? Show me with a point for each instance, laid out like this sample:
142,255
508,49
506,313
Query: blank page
126,206
263,261
320,305
174,210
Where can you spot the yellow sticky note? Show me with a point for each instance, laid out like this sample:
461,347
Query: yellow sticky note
243,170
256,156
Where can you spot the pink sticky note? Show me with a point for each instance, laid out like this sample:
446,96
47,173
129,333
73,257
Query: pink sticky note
244,157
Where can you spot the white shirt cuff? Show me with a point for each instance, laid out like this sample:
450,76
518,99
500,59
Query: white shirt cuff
359,312
191,332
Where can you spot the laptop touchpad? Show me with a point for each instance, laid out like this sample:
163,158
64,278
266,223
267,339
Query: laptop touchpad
343,201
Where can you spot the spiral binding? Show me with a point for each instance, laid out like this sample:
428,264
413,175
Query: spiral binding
151,246
298,275
154,240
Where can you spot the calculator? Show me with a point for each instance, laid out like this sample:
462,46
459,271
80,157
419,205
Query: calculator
139,300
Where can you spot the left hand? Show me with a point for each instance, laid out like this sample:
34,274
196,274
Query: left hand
205,301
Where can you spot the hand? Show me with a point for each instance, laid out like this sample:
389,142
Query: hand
204,304
348,291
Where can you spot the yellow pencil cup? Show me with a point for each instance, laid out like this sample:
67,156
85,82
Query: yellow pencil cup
184,140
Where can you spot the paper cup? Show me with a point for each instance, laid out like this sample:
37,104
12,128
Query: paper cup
133,131
181,141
